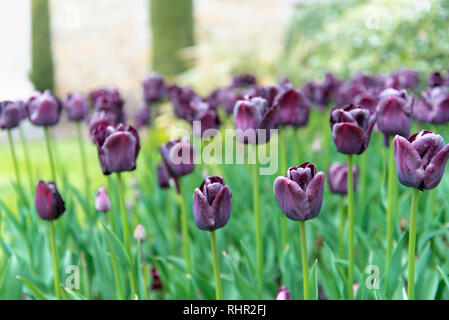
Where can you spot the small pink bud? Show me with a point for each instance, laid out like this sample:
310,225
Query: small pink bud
139,233
102,202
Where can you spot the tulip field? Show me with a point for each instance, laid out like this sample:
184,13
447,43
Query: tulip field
341,193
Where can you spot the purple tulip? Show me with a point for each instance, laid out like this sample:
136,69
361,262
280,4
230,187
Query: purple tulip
243,80
351,128
10,114
402,79
433,106
178,157
283,294
394,112
153,88
142,117
269,92
421,159
118,147
157,283
294,108
163,176
44,109
436,80
368,99
108,106
212,204
337,177
139,233
347,92
227,98
181,97
76,107
48,201
300,192
102,202
253,117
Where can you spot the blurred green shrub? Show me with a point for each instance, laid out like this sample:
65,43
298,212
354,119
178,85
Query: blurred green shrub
41,74
348,36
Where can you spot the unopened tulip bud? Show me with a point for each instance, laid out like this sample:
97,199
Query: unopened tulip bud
102,202
283,294
139,233
48,201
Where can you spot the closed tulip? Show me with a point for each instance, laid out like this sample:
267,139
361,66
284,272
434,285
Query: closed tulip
433,106
394,112
283,294
253,115
212,204
337,178
178,157
420,160
76,107
44,109
10,114
181,97
300,192
102,202
206,116
294,108
163,176
351,128
118,147
48,201
139,233
153,88
368,99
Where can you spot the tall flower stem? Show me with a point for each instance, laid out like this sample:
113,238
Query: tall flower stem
257,222
50,154
350,228
392,186
83,162
171,223
411,245
126,231
341,228
283,169
185,234
144,272
27,159
218,290
115,265
305,266
16,164
55,260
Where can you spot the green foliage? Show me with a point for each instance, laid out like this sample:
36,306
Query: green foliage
348,36
41,54
172,31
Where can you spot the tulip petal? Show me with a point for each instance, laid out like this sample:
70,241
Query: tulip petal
349,138
434,171
202,211
119,152
291,198
314,194
408,163
221,207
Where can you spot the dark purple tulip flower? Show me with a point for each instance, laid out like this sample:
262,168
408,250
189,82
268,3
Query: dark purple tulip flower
10,114
402,79
294,108
253,115
436,80
243,80
178,157
283,294
337,177
420,160
206,116
300,192
351,128
153,88
367,100
212,204
142,118
433,106
102,202
76,107
163,176
269,92
181,97
157,283
394,112
48,201
44,109
118,147
347,91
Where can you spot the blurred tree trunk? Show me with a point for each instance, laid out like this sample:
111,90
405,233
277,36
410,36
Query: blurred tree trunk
172,30
41,55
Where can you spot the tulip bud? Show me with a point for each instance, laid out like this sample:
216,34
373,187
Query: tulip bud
351,128
143,117
420,160
139,233
300,192
118,147
178,157
243,80
212,204
10,114
44,109
102,202
163,176
337,177
394,112
283,294
153,88
294,108
76,107
48,201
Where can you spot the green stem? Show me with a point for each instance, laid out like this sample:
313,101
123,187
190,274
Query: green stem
185,235
257,222
126,232
350,228
83,162
305,267
112,212
50,154
341,228
55,260
171,224
391,200
16,164
114,265
411,245
27,159
144,273
283,169
218,290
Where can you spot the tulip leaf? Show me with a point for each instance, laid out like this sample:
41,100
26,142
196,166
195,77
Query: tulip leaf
38,292
444,276
247,292
392,279
314,281
118,247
